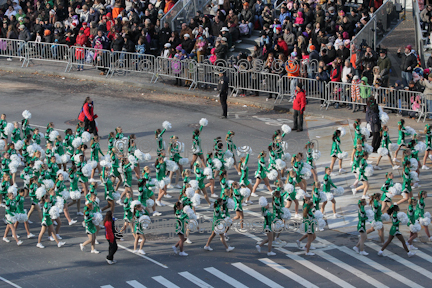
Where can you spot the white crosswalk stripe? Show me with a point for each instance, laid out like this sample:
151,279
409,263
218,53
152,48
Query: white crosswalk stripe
163,281
195,280
263,279
350,269
107,286
418,252
379,267
288,273
225,277
135,284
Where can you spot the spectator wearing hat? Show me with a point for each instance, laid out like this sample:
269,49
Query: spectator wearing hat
221,48
187,43
223,87
384,65
225,33
407,64
299,106
166,51
247,17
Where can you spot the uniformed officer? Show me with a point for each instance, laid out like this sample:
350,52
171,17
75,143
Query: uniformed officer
223,93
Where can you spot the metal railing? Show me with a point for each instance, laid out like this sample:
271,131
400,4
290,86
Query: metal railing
40,51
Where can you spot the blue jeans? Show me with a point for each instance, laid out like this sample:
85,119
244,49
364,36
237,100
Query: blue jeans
429,108
406,78
250,25
260,19
80,62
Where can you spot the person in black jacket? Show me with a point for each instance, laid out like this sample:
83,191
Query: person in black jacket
111,235
373,118
165,34
223,87
187,43
408,63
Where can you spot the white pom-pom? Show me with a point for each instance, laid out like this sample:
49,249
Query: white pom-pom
162,184
228,221
13,166
402,217
184,161
196,200
262,201
286,129
272,175
329,196
318,214
230,203
369,215
289,187
229,163
13,190
342,155
385,217
398,187
410,131
150,202
323,197
139,155
368,148
342,130
393,147
166,125
85,136
65,195
339,191
414,176
192,225
391,192
53,135
416,227
414,164
116,196
77,142
369,170
427,215
144,220
382,151
321,224
59,203
420,146
368,127
11,219
48,183
384,118
203,122
105,163
228,154
154,182
19,144
75,195
378,225
305,173
54,212
2,145
217,164
132,159
133,204
277,225
194,184
280,164
190,192
424,221
147,157
300,194
97,218
40,192
31,149
208,172
243,151
87,170
9,129
26,114
365,132
65,158
316,155
21,217
245,192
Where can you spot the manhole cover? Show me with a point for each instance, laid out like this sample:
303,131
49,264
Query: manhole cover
72,122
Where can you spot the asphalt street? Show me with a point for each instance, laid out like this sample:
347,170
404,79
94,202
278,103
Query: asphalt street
53,99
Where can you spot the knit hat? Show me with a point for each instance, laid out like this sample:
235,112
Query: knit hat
312,47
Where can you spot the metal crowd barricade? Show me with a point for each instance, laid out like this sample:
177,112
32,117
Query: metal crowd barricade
89,57
314,89
258,82
12,48
426,107
123,62
208,74
52,52
339,92
175,68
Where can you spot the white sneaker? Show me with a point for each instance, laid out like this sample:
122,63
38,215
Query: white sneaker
109,261
254,195
183,254
170,186
72,222
298,244
167,196
82,247
19,243
119,202
54,223
297,216
188,241
380,253
353,186
6,240
395,167
430,239
30,236
245,203
174,249
60,244
258,247
158,203
310,254
214,196
95,251
271,253
341,171
141,252
230,249
208,248
354,191
135,251
396,160
364,253
424,167
39,245
29,222
50,238
58,237
156,213
411,253
336,215
178,186
312,248
356,249
80,214
97,242
377,168
411,247
365,197
140,240
249,202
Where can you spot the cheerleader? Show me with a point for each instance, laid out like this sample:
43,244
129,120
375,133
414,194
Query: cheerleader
33,199
74,187
218,218
310,160
53,199
428,141
25,153
196,147
244,178
82,178
25,127
377,209
384,133
261,175
419,212
90,229
11,149
357,135
411,221
228,195
223,182
210,177
139,211
327,184
111,140
92,198
5,169
277,203
160,143
268,220
109,197
220,154
127,172
94,155
309,225
401,139
406,187
394,232
181,220
52,168
232,147
272,160
11,214
50,128
145,193
59,149
47,223
297,164
238,198
36,138
59,187
186,177
160,167
358,156
3,124
67,142
79,129
175,148
16,133
335,150
361,228
200,178
4,186
128,212
119,133
114,173
20,210
362,177
291,197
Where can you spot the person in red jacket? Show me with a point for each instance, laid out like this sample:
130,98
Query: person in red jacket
86,115
336,73
81,39
299,106
110,236
86,29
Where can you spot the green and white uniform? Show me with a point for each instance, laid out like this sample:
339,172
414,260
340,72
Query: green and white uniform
358,156
406,187
196,144
402,134
32,193
217,216
411,215
138,229
386,186
327,184
174,150
357,135
181,222
262,170
128,213
210,164
127,170
5,166
36,138
244,178
268,219
376,208
224,185
385,142
46,219
428,139
361,225
88,219
3,124
316,199
309,221
94,152
80,174
292,196
67,143
238,199
160,144
160,171
199,176
114,167
394,230
16,135
362,177
48,131
419,212
4,186
25,127
335,150
60,187
109,189
11,207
